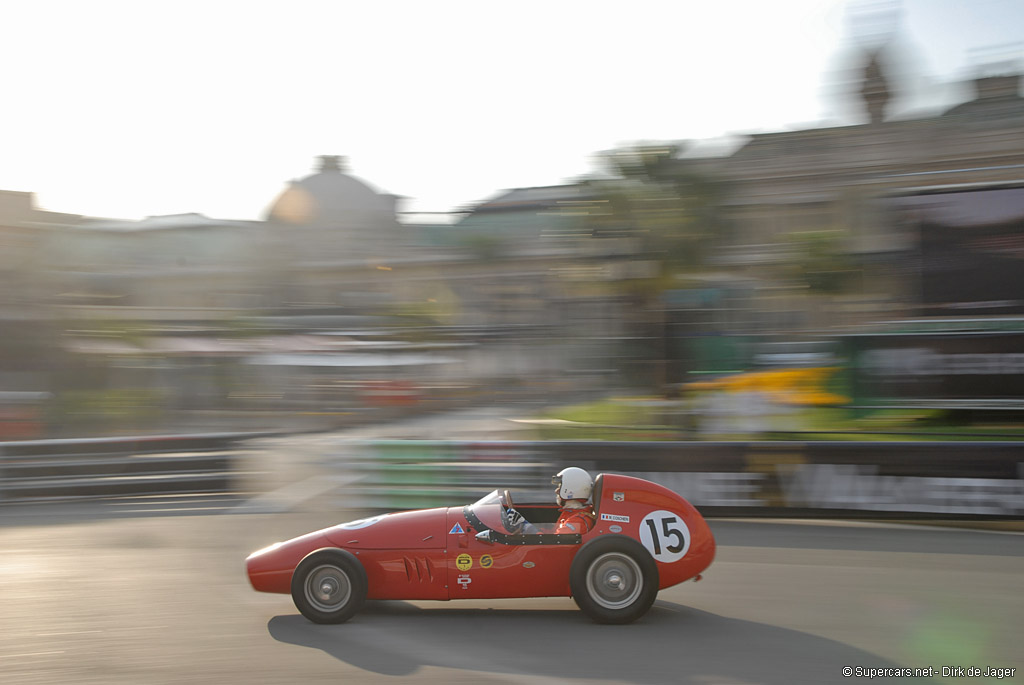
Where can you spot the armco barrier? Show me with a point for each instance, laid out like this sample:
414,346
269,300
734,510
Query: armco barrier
53,470
801,479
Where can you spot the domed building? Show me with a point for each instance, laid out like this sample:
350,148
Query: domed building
331,215
331,241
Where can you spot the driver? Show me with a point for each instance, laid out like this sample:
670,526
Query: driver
573,488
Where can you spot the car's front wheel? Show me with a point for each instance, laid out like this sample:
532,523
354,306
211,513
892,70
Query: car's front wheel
329,586
614,579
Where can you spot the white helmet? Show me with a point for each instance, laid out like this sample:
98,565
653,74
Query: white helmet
573,483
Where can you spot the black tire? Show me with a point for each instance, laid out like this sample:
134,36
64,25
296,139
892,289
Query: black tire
614,579
329,586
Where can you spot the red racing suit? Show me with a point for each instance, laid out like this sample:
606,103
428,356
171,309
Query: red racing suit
575,519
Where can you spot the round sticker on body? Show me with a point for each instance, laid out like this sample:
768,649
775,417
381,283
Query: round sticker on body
361,523
464,562
665,535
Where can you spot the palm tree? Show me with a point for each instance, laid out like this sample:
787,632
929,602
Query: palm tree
662,212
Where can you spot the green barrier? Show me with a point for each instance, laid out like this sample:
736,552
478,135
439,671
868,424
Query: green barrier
411,474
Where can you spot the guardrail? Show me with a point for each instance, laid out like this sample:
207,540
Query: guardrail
909,480
56,470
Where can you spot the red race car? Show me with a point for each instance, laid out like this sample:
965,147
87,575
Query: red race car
645,537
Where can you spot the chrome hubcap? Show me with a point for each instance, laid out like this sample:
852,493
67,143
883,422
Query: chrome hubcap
614,580
328,588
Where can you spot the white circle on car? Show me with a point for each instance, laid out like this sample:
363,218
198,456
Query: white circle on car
665,535
361,523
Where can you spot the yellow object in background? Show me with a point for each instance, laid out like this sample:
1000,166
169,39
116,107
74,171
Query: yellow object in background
805,387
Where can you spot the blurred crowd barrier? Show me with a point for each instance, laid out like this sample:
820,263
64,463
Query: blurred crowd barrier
419,474
91,468
886,480
953,480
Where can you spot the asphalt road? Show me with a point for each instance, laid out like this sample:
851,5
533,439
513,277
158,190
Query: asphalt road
89,598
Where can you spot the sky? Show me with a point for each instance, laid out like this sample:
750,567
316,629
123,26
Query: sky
127,109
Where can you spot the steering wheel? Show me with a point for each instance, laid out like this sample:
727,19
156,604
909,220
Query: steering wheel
513,520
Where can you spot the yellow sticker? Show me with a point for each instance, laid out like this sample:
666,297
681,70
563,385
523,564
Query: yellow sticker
486,561
464,562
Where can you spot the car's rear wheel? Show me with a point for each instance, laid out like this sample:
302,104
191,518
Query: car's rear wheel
614,579
329,586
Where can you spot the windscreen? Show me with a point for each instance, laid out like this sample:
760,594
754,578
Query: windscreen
490,511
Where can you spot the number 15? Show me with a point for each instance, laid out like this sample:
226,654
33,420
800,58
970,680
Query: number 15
668,531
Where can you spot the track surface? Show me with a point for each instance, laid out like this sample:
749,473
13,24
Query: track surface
86,598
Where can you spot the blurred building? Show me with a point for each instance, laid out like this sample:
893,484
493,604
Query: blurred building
116,321
842,180
329,304
185,266
28,336
331,291
514,247
825,229
24,229
319,248
335,241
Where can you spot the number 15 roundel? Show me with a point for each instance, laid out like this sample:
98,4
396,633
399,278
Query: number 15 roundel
665,535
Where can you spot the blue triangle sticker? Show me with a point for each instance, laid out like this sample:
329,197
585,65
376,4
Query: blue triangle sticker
456,529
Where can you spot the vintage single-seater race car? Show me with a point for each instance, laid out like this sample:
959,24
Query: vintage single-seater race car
645,538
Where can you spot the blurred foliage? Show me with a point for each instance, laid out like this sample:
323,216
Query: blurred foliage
820,262
610,412
613,419
666,214
667,207
649,418
485,248
438,307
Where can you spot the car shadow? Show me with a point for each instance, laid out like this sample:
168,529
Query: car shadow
672,643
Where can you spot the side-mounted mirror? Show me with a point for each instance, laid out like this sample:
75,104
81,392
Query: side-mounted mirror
485,536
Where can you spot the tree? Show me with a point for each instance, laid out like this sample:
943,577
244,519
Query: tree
820,262
666,206
664,213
